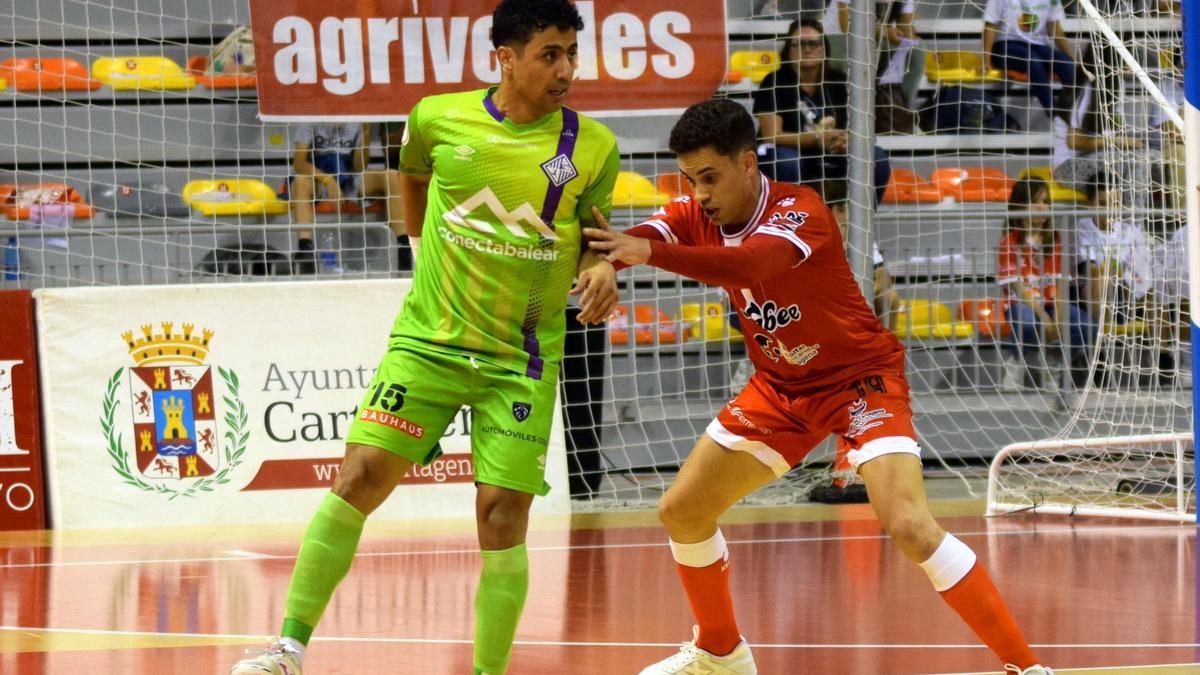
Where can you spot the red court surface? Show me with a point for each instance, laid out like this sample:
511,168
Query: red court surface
818,590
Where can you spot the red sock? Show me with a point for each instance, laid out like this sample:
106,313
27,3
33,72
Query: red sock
977,601
707,589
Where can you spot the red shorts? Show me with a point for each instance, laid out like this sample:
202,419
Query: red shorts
870,414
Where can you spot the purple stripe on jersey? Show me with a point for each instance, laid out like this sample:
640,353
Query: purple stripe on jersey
492,109
566,147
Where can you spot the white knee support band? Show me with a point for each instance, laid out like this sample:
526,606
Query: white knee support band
949,563
701,553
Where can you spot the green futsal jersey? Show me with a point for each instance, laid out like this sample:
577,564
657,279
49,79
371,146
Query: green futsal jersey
501,239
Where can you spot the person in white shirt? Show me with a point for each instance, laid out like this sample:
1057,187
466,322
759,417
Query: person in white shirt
1115,256
1082,133
1026,36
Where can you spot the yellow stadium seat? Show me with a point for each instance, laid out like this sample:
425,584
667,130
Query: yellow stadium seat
3,84
958,67
141,72
634,190
708,323
923,318
1058,193
754,64
233,197
1135,327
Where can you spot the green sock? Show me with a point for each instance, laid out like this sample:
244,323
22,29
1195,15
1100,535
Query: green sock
503,584
325,557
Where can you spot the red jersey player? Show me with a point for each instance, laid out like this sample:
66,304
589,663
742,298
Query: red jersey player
824,364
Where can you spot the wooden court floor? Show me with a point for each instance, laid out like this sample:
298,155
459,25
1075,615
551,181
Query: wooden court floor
818,589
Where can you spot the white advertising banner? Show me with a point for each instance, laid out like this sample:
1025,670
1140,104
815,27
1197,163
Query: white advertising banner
188,405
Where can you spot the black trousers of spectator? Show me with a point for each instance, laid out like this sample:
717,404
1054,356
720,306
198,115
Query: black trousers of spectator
582,399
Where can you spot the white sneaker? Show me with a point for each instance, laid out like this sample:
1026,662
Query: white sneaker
276,659
692,659
1031,670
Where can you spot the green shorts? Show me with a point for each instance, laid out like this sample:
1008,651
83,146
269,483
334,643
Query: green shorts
416,393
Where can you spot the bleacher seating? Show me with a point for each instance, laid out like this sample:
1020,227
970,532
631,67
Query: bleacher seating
756,64
198,64
233,197
958,67
923,319
650,326
906,187
47,74
1058,192
987,315
634,190
707,322
673,184
972,184
40,199
149,199
141,72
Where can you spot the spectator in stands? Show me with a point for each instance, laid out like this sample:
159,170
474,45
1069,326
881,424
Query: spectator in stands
1028,38
330,163
1079,131
802,114
888,303
895,20
1125,277
1028,269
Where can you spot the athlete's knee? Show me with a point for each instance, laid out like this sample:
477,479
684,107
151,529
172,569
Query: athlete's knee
503,516
914,530
365,478
684,516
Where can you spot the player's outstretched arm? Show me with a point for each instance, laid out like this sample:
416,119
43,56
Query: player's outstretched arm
596,284
616,246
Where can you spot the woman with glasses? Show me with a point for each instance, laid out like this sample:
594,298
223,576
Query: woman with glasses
802,115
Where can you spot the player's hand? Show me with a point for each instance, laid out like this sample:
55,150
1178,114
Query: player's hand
619,247
597,288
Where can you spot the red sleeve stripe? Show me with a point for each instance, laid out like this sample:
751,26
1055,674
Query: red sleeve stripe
663,229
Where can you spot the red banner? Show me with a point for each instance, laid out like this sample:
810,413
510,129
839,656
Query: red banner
323,60
297,474
22,501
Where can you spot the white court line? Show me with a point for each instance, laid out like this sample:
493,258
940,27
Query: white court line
15,469
560,643
238,553
1187,529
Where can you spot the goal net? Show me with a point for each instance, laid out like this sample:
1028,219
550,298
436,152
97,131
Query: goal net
135,156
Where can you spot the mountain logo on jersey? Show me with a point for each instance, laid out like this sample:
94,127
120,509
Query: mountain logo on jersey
559,170
460,215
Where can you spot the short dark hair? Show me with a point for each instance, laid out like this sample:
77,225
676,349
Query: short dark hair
721,124
515,22
834,191
1098,184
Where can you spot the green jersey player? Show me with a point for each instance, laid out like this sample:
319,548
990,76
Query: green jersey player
498,182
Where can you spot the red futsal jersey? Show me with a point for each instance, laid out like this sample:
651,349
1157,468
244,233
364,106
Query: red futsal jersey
806,323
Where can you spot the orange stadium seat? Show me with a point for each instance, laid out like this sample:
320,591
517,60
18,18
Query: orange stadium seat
141,72
987,314
972,184
1058,192
754,64
650,326
20,201
673,185
47,75
198,64
233,197
958,67
906,187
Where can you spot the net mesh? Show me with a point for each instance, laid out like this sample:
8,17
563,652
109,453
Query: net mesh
136,158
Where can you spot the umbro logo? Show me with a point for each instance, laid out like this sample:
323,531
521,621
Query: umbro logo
559,170
465,150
